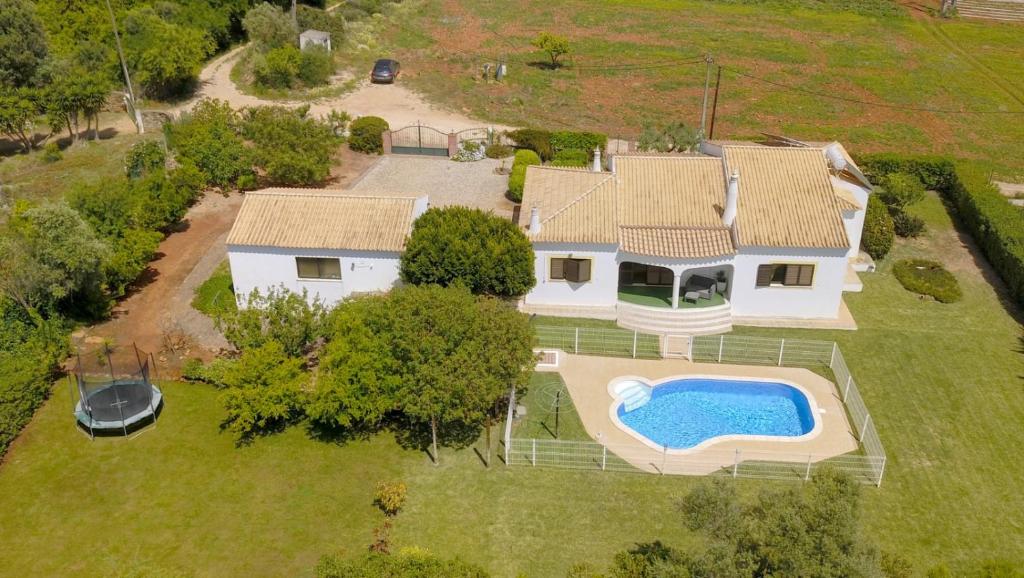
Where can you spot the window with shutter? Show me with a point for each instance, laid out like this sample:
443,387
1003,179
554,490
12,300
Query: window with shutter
557,269
806,276
792,274
577,270
774,275
764,275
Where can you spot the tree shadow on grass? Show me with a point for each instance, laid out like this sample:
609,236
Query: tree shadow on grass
416,435
544,65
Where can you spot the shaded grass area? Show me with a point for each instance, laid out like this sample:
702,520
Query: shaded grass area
865,52
545,400
216,295
28,176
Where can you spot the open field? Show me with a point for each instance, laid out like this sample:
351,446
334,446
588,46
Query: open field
942,381
626,70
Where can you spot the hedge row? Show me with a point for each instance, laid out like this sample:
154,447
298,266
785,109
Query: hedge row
546,143
517,180
996,225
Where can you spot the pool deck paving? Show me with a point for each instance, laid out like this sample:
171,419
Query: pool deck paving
587,379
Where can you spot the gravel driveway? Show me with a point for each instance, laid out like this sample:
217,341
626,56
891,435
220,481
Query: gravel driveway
445,182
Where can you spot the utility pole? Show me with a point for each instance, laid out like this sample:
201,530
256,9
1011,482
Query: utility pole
124,68
714,104
708,61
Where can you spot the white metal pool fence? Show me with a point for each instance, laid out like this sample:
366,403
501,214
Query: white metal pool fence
867,466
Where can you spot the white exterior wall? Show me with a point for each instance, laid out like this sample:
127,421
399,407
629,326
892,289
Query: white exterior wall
601,290
264,268
854,220
820,300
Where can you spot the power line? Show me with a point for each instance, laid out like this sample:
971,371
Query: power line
866,102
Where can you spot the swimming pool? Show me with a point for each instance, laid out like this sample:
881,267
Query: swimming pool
683,413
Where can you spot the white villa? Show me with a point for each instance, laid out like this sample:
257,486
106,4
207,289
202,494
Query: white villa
670,244
330,245
749,233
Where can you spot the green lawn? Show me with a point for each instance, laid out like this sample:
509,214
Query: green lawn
879,54
662,297
943,383
28,176
216,294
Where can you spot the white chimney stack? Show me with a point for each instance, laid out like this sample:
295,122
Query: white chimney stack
535,220
732,194
597,160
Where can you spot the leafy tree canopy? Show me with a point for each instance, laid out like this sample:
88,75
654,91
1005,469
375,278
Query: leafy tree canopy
459,245
270,27
286,318
22,43
555,46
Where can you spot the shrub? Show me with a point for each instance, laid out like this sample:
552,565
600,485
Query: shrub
555,46
469,151
671,137
586,141
365,134
315,66
52,153
927,278
517,180
459,245
536,140
407,563
279,68
286,318
996,225
390,497
499,151
292,148
878,229
900,190
208,138
269,27
144,158
571,158
905,224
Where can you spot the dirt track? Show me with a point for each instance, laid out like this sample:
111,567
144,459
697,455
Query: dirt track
393,102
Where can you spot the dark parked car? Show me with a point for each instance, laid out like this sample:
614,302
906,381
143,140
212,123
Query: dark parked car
384,70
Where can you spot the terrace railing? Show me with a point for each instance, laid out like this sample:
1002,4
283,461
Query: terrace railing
868,465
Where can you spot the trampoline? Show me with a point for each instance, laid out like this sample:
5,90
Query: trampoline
114,404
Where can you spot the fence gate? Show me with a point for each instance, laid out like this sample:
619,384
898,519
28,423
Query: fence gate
419,140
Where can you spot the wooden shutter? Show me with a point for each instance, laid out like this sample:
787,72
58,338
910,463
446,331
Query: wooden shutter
806,276
557,270
764,275
792,275
583,270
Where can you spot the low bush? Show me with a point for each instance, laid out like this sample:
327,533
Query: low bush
927,278
278,68
291,147
905,224
586,141
536,140
208,138
996,225
517,180
390,497
52,153
878,229
499,151
316,66
144,158
365,134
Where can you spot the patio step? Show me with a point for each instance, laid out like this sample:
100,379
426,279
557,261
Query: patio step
667,321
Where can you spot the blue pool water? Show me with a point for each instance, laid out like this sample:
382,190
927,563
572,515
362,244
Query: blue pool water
684,412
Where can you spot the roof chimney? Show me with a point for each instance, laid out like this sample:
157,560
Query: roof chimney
732,194
534,220
597,160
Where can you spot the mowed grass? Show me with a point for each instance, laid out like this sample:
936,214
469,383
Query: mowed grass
876,56
943,383
216,295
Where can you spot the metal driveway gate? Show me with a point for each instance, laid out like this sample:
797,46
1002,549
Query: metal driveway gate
419,140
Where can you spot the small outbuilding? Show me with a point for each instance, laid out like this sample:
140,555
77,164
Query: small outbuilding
326,244
315,38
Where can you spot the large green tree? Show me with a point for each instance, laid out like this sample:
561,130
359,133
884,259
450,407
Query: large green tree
22,43
459,245
293,148
18,112
51,260
458,354
163,57
208,138
73,95
269,27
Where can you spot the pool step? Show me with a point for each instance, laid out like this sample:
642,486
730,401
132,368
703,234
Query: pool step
634,396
